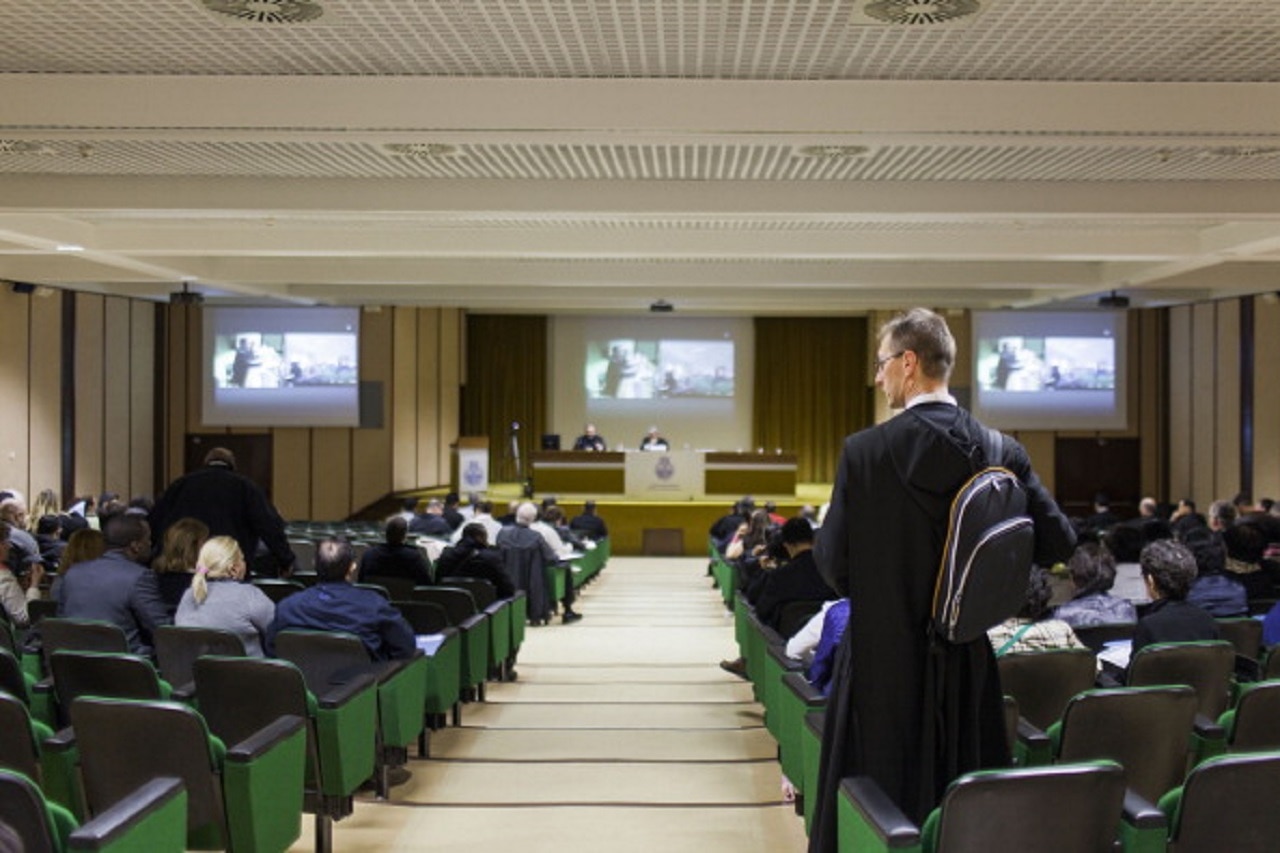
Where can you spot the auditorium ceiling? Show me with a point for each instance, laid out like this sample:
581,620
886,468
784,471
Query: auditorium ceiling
729,156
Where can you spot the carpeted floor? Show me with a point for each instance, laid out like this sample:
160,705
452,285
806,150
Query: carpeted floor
621,734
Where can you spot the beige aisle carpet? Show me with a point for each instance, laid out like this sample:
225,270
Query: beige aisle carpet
621,734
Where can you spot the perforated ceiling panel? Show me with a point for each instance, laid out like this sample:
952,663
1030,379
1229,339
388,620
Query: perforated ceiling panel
1136,40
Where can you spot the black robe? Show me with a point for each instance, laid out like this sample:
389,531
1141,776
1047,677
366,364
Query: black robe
910,711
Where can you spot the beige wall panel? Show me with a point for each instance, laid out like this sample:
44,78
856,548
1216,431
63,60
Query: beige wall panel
371,448
89,394
1204,420
429,397
1226,401
291,468
403,398
331,473
117,346
15,460
450,386
1178,409
1041,448
143,366
1266,402
45,413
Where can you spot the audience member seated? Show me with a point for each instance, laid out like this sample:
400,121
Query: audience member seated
821,635
482,514
16,592
394,558
431,522
1245,544
453,511
590,440
1185,516
727,526
472,557
84,544
1219,593
334,604
117,587
1093,572
1168,569
546,525
521,535
748,550
554,518
217,599
1103,519
797,579
50,542
1030,630
588,524
23,548
654,441
177,560
1125,544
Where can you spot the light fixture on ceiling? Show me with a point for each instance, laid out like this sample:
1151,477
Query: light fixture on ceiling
662,306
421,149
267,11
1242,152
917,12
25,146
68,247
1113,300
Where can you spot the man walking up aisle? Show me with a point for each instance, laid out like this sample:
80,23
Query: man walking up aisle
907,708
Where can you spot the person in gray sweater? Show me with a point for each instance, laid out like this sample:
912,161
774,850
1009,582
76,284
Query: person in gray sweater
217,599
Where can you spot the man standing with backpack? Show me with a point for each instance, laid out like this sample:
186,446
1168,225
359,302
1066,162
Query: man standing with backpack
908,707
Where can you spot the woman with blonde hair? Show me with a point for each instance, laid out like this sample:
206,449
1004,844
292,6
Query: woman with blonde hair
177,559
46,503
217,599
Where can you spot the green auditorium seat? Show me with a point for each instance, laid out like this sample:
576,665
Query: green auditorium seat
23,748
1043,682
178,647
1226,804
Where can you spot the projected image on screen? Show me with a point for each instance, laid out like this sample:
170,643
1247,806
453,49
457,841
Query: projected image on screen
634,369
248,359
1023,364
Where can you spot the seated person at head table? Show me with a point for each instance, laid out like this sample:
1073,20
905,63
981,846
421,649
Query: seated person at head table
1093,572
1029,630
590,440
653,440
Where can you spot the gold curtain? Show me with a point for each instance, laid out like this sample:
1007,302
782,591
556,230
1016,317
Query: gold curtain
810,388
506,384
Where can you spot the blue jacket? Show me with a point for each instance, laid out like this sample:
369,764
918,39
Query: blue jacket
339,606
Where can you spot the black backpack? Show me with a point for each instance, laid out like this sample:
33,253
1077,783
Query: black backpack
987,556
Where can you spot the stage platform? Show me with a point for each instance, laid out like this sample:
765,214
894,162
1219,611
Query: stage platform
656,528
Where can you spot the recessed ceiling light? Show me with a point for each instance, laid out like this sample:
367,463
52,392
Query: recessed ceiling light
1242,152
68,247
267,11
24,146
834,151
421,149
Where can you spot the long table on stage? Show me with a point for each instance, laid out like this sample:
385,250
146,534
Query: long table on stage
670,475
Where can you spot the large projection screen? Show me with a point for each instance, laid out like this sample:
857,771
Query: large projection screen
689,376
281,367
1050,370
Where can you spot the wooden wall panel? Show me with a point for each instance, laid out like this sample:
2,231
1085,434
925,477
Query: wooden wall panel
291,472
1226,401
1041,448
15,390
331,473
116,359
1151,391
1266,401
450,394
404,399
371,448
428,395
1180,403
45,397
177,358
1204,420
89,375
142,397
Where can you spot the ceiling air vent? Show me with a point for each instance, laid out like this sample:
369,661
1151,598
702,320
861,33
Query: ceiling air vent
266,11
421,149
915,12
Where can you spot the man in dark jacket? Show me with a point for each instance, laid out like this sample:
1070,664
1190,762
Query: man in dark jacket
798,579
231,505
117,587
393,558
907,709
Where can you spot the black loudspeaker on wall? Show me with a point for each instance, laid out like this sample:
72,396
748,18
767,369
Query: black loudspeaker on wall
23,288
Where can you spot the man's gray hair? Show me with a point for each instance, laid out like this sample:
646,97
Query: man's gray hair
926,334
526,514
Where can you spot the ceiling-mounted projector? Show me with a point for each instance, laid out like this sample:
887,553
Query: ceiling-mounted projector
662,306
1113,300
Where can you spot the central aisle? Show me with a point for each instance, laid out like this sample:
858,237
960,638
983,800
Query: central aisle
621,734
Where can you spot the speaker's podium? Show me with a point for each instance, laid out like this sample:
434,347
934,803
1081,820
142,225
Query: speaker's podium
471,464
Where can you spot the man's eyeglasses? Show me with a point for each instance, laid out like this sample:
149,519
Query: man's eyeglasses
881,362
